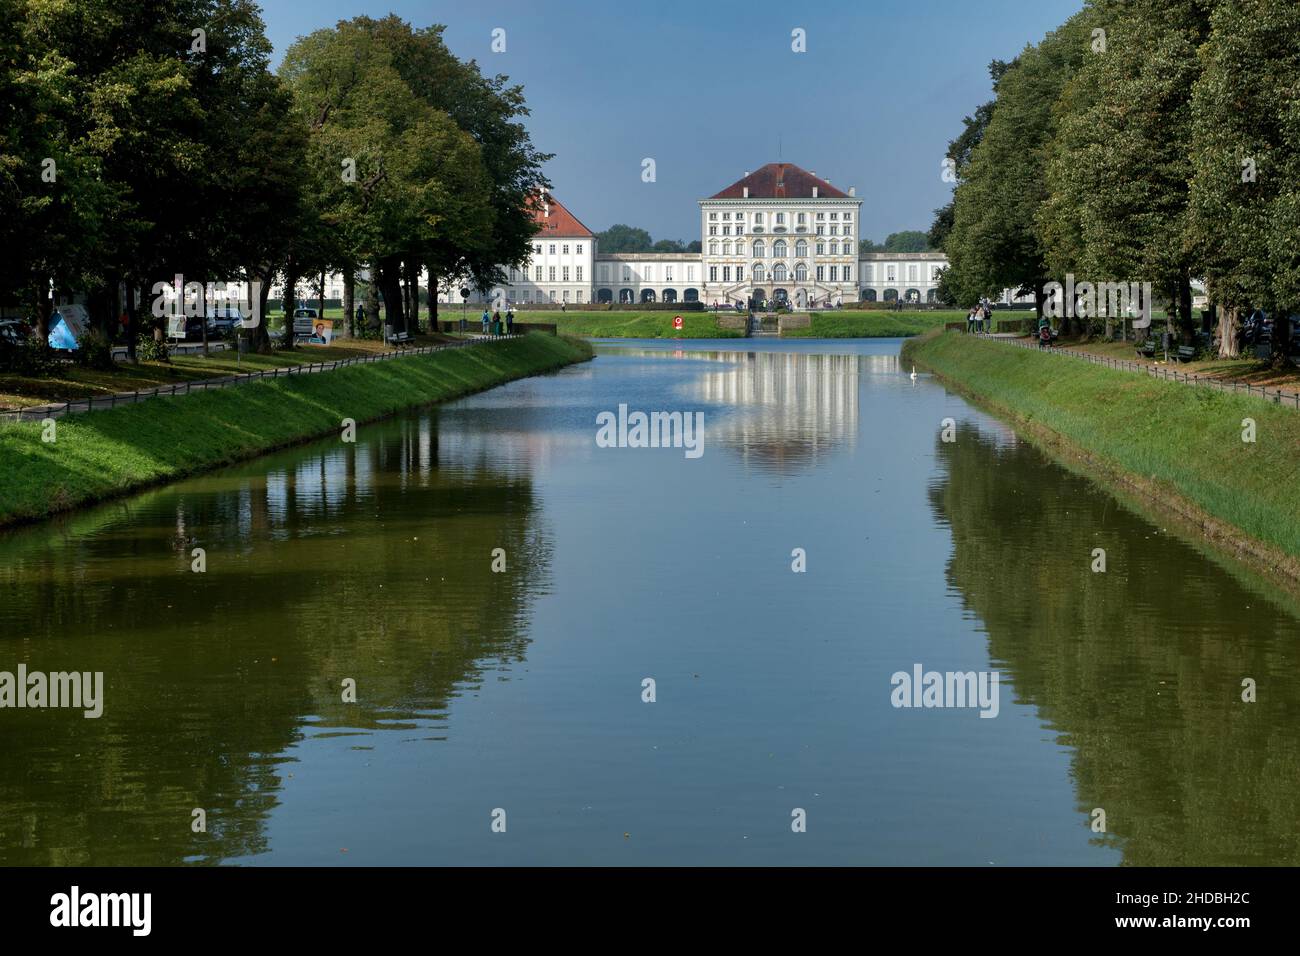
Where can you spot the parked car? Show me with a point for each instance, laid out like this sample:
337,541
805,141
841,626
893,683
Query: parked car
223,321
303,321
14,331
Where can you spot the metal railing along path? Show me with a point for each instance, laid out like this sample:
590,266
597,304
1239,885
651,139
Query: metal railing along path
1277,396
100,403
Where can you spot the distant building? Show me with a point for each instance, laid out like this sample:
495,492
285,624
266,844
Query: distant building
776,235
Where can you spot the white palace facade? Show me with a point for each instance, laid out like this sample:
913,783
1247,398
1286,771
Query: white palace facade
777,235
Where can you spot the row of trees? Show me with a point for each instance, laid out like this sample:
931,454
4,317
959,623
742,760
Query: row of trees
1144,140
624,238
141,139
909,240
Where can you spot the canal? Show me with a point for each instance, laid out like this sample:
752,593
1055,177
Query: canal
500,590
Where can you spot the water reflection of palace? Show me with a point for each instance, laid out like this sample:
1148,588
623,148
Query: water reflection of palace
790,408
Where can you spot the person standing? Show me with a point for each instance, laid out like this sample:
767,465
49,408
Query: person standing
487,318
510,321
496,322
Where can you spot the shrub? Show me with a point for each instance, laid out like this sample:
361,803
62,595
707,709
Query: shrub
147,349
94,351
30,357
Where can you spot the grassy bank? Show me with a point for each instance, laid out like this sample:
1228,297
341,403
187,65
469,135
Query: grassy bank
104,454
634,325
873,324
1180,446
71,381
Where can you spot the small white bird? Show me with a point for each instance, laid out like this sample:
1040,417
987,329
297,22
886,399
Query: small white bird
913,376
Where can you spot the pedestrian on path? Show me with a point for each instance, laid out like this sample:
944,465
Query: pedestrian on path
510,321
487,318
496,322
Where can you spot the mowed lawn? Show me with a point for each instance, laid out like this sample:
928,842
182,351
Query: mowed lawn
847,324
634,325
71,381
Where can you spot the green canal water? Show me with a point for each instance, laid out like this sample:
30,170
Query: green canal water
518,696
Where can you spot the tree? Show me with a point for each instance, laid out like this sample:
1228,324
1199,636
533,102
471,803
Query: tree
1245,188
621,238
1118,170
994,243
910,240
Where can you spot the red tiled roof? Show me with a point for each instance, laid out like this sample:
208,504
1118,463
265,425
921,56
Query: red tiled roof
780,181
554,220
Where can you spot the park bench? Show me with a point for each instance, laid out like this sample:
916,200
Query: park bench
1146,349
1186,353
400,338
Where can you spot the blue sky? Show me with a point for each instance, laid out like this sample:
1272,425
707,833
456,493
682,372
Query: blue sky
711,88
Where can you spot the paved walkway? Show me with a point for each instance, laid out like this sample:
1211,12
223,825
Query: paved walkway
102,402
1278,396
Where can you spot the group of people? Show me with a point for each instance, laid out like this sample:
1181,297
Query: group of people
492,323
980,317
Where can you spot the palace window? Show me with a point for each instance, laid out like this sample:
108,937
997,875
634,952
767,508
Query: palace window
821,230
627,273
870,274
821,216
566,273
668,274
726,248
713,230
821,273
552,295
835,273
801,273
537,274
566,295
758,217
802,218
578,249
552,274
726,215
835,215
801,248
726,230
740,273
552,248
911,273
579,294
579,276
713,273
848,217
565,248
713,248
891,273
848,273
713,216
821,248
835,230
778,272
780,219
759,249
690,273
757,272
538,248
778,248
726,273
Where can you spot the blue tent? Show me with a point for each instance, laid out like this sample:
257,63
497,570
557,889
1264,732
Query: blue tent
68,324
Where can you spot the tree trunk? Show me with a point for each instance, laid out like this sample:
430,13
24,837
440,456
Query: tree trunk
372,298
1229,323
349,300
413,285
1038,302
290,303
131,321
1186,321
390,287
257,333
322,293
44,310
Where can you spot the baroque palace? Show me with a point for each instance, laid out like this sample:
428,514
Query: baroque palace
779,235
